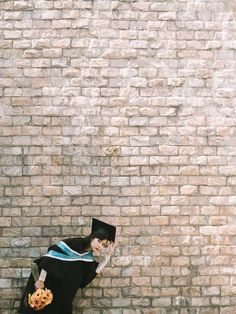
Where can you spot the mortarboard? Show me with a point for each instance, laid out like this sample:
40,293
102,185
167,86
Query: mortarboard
110,230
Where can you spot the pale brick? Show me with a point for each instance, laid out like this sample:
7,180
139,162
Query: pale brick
138,82
170,16
138,160
5,283
138,121
50,14
58,24
52,190
189,190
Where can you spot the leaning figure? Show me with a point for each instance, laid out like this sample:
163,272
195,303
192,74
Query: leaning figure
66,267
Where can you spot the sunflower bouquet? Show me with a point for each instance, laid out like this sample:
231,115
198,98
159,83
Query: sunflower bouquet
41,297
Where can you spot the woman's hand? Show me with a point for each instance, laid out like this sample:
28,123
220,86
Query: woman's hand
111,248
39,284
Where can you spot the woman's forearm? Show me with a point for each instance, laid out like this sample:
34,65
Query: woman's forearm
43,275
103,263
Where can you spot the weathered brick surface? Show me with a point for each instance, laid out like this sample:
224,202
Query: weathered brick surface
123,110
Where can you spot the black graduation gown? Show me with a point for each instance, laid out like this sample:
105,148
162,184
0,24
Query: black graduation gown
63,279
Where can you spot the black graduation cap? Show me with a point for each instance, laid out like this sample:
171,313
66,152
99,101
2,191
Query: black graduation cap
110,230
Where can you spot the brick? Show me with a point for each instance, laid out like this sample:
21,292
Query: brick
189,190
5,283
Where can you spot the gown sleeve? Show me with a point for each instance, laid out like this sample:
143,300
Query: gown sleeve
88,272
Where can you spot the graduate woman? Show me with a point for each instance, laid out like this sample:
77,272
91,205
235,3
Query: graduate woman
68,266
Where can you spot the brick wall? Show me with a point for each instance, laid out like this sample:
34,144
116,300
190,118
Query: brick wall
122,110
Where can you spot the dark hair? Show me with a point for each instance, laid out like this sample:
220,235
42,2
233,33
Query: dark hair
86,242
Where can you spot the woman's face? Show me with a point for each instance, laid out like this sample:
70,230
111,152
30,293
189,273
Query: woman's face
97,245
